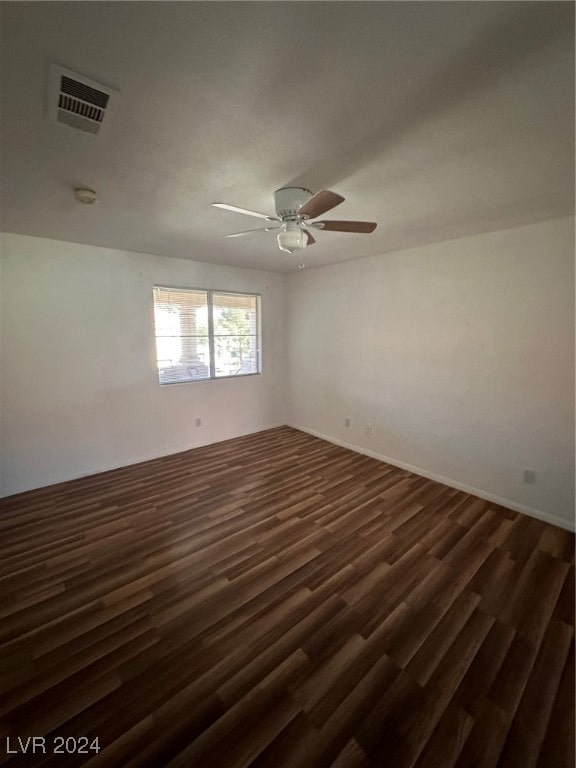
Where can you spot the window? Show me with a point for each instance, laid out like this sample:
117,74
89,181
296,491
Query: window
205,334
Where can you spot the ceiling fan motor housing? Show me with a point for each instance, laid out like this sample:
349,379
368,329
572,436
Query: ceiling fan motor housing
289,200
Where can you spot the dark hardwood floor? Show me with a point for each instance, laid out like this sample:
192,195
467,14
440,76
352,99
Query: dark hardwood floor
276,600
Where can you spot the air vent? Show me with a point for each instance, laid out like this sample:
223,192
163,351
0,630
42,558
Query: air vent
77,101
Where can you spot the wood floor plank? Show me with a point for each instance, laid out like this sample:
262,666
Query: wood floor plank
526,734
447,740
558,747
352,756
277,601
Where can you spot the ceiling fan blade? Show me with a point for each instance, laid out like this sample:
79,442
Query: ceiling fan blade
249,231
346,226
311,240
320,203
246,211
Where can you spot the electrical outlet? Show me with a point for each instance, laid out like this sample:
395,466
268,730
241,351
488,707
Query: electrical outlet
198,422
529,476
346,422
369,429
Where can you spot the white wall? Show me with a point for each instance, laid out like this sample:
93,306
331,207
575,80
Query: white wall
79,387
460,354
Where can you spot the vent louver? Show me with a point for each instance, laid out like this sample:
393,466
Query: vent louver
77,101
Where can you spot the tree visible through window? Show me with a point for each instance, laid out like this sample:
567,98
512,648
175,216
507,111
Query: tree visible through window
205,334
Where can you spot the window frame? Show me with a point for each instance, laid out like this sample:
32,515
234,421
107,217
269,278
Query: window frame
211,338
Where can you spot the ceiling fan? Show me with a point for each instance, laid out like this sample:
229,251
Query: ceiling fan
295,206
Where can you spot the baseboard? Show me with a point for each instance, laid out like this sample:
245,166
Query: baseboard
538,514
183,449
138,460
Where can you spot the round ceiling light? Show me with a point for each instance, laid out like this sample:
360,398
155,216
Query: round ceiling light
86,196
292,238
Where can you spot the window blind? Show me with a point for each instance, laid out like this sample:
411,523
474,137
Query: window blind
205,334
182,341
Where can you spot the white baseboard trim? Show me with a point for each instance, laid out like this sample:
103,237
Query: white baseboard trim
152,456
514,505
141,459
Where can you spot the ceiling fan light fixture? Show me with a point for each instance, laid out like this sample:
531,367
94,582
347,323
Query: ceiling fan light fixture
295,207
291,240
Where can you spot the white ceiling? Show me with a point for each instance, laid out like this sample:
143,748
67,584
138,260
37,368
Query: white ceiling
433,119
